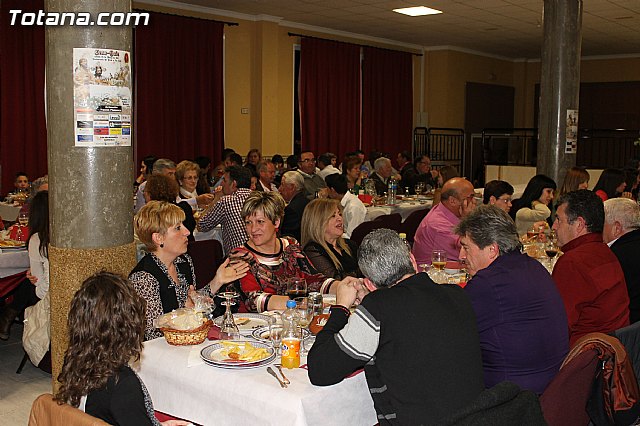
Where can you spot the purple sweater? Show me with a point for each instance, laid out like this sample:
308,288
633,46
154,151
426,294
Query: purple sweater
521,320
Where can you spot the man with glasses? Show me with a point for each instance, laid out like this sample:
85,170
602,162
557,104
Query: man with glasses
312,182
420,172
498,193
436,229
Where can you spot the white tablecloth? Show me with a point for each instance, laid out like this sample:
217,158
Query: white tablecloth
215,396
213,234
9,212
405,208
13,262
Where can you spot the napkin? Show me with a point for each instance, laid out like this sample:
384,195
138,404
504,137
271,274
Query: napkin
194,356
214,333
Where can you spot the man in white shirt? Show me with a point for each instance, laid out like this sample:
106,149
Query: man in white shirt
326,164
267,172
354,211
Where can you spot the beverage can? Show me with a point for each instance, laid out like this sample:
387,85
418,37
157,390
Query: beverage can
290,353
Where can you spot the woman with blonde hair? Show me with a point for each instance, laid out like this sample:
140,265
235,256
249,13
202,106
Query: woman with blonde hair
187,175
576,178
322,229
165,277
272,260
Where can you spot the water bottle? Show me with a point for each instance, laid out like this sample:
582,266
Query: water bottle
403,237
290,337
392,189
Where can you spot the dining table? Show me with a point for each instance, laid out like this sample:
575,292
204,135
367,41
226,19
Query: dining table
183,386
403,207
13,262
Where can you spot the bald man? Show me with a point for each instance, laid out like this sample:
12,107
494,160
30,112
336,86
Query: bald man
436,229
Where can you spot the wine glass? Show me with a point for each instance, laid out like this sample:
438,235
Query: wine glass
275,333
551,250
304,311
23,218
438,263
228,328
296,287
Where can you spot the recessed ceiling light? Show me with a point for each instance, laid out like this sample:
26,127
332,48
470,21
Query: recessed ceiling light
417,11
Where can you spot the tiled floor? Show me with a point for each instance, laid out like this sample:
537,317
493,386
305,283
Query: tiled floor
17,391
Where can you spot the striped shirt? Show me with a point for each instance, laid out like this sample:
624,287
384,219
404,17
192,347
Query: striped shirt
226,212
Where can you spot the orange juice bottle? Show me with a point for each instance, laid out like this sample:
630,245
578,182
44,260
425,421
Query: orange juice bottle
290,339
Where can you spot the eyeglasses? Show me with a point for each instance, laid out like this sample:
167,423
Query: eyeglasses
504,200
308,160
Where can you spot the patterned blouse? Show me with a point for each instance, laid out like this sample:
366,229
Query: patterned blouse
147,286
269,278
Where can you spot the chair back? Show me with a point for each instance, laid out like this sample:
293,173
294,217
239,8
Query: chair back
564,401
629,336
8,284
46,412
207,256
411,224
390,221
363,229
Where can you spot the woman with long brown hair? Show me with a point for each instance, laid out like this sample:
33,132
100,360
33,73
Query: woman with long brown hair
106,329
322,229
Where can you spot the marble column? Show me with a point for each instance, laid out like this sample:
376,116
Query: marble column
90,188
559,85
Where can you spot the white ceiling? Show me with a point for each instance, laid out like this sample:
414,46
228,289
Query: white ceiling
505,28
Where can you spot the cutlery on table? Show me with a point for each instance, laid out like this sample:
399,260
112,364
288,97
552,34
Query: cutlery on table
273,373
286,381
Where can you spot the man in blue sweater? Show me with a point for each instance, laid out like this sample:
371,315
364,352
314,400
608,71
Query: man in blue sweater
416,340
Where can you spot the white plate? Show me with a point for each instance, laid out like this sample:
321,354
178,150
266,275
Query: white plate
262,334
246,322
213,354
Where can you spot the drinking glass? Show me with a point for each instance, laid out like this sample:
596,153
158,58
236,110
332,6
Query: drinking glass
296,287
438,262
228,328
304,311
23,218
275,334
551,250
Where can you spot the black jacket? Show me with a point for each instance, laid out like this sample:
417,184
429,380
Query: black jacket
627,250
292,219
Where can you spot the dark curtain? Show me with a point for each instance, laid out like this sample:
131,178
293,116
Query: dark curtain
387,101
329,96
178,84
23,133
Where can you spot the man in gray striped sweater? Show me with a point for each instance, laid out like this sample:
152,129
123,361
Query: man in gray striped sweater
417,340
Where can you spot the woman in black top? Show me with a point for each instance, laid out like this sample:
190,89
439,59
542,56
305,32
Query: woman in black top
106,327
322,229
165,188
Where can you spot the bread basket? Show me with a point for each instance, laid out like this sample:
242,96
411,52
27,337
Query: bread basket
187,337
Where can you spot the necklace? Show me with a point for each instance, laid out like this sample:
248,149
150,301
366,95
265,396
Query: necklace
266,255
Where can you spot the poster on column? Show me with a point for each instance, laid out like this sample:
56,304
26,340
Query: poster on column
571,139
102,97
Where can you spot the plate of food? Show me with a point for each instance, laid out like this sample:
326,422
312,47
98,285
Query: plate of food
239,353
262,333
246,322
9,244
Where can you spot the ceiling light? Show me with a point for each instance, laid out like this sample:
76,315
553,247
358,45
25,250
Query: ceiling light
417,11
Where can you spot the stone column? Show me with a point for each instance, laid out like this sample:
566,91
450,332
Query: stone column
559,85
90,200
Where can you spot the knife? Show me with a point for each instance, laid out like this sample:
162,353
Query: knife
273,373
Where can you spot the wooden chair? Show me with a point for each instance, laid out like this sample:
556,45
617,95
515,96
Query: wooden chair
207,255
411,224
46,412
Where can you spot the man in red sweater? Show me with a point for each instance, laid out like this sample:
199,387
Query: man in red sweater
588,275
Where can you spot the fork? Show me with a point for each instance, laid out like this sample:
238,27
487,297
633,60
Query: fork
273,373
286,381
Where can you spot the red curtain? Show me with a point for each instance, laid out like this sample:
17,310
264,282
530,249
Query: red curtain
387,101
178,84
23,133
329,96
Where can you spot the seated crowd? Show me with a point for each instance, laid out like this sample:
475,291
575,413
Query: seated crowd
512,321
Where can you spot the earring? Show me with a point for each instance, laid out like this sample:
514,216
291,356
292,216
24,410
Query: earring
161,245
